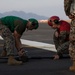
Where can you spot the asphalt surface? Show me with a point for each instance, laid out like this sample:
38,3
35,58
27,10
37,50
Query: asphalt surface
40,61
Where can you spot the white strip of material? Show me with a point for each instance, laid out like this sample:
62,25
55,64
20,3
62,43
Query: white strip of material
41,45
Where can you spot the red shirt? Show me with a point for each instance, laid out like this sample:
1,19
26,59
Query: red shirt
64,26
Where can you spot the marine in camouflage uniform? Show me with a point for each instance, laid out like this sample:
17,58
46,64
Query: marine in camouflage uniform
61,35
7,26
69,7
11,30
61,43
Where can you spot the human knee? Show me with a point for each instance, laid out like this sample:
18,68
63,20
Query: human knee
56,34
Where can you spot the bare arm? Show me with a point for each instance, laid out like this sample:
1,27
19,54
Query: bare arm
18,43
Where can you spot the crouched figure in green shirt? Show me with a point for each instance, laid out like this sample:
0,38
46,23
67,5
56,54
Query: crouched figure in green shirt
11,30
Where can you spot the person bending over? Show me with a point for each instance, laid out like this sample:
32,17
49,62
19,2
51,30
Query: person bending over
61,35
11,30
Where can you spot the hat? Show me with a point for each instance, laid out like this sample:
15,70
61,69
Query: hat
34,22
54,18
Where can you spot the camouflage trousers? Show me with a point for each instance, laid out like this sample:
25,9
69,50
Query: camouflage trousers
61,48
72,40
9,42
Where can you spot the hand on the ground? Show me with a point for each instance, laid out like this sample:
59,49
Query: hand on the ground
21,52
56,57
22,55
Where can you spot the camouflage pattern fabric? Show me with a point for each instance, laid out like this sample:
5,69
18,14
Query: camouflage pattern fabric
72,40
9,42
61,44
67,6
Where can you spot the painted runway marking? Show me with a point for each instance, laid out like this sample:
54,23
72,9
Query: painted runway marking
41,45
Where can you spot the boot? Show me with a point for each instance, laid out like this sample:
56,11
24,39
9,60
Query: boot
4,53
72,68
12,61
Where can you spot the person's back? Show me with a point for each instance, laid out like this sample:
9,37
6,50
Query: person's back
64,28
15,25
12,22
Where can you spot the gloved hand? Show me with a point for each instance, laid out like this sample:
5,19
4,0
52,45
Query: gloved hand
22,55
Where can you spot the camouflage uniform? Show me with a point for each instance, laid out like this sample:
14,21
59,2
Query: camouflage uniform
69,7
11,29
72,40
61,44
9,42
8,25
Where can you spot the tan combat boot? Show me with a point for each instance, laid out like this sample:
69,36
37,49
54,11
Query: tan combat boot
72,68
12,61
4,53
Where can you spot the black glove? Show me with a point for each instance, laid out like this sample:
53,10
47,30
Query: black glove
22,55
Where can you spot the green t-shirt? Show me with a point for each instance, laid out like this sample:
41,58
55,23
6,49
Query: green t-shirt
14,23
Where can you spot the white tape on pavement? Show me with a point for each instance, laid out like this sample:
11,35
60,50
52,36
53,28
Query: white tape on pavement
41,45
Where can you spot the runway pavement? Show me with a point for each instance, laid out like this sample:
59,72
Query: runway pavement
40,60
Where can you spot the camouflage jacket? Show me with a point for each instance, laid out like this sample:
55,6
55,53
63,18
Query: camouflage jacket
64,37
67,5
